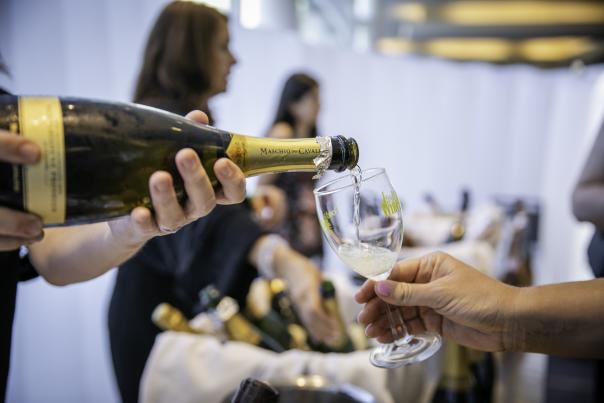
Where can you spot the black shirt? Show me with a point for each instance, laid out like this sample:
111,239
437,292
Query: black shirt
173,269
13,268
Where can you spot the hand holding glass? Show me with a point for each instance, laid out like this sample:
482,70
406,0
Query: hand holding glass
362,220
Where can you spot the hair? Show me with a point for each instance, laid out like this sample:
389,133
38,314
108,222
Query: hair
296,86
178,54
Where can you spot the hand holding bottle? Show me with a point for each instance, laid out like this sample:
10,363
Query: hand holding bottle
438,293
141,226
18,228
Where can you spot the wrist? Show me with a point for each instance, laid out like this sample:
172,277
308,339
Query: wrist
515,309
268,255
119,238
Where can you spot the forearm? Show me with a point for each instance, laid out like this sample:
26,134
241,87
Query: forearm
561,319
297,271
74,254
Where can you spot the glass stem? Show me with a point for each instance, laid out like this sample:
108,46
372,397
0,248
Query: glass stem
399,331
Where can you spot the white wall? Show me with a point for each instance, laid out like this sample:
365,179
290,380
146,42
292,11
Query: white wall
435,125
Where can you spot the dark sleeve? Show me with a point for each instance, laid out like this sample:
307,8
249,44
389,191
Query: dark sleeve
595,253
173,269
27,271
222,256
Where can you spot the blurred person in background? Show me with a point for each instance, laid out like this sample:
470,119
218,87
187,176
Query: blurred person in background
588,206
588,202
187,61
296,117
73,254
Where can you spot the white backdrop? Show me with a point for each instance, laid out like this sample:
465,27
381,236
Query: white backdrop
435,125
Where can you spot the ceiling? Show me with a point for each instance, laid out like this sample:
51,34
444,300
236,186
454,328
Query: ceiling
546,33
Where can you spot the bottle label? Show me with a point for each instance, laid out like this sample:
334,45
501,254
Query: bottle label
390,203
44,193
257,155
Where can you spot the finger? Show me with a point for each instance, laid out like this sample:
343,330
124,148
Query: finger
169,215
198,116
405,294
372,310
406,270
416,326
232,181
378,329
8,243
19,224
17,149
201,197
385,338
366,292
143,223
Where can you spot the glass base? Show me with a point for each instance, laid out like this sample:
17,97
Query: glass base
395,355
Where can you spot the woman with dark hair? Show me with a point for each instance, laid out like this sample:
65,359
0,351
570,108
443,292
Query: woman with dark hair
187,61
298,108
296,117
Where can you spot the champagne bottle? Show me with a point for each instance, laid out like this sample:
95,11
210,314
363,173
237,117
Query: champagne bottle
455,384
432,203
260,311
97,156
458,229
283,305
342,344
167,317
482,366
356,332
254,391
236,325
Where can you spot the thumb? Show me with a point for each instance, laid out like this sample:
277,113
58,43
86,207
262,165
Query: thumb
405,294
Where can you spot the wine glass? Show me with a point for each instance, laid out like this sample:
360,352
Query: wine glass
361,217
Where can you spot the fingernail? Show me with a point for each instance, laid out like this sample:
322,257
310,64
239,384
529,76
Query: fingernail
162,187
29,152
33,228
384,288
37,238
226,171
190,163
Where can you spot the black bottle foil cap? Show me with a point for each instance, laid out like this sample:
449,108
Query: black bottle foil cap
344,153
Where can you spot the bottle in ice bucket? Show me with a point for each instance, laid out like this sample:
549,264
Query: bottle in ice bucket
342,344
238,328
167,317
260,311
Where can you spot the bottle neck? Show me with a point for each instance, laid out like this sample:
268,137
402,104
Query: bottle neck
260,155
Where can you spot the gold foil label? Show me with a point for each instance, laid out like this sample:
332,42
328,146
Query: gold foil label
44,193
257,155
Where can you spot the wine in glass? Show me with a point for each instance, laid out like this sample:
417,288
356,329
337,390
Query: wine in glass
361,217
